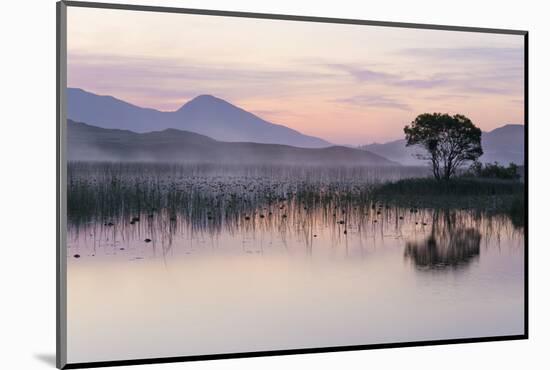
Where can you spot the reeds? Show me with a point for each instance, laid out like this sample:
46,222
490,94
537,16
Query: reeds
99,192
121,197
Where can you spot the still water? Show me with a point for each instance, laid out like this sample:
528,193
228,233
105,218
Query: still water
300,279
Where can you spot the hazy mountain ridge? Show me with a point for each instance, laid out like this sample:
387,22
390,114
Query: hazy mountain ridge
87,142
205,114
504,144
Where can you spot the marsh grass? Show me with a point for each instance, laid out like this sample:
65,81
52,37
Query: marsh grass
157,201
491,195
100,192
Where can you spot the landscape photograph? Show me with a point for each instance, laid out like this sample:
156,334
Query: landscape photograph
237,185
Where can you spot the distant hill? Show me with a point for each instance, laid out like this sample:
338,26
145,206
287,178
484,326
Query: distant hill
396,151
86,142
504,145
205,114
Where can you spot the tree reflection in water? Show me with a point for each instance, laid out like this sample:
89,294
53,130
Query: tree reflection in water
449,246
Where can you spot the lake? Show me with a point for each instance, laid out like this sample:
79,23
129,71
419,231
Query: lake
287,271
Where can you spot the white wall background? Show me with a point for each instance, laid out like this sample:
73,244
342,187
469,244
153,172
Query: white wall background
27,194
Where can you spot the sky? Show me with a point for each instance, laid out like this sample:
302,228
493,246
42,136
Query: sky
348,84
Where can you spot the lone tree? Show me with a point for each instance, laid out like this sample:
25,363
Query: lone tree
450,141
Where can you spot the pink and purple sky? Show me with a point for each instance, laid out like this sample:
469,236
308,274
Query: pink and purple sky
348,84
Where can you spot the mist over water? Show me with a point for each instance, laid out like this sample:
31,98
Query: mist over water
98,191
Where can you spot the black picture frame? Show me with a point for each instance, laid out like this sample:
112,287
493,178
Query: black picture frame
61,70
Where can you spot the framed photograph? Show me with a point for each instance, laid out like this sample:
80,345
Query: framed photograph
240,184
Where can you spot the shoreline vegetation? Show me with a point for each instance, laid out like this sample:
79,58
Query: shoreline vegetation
207,194
494,196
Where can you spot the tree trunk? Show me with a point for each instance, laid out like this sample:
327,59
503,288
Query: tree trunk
435,169
447,169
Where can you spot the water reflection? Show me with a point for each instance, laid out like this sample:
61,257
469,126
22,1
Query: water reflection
450,244
297,277
447,250
431,239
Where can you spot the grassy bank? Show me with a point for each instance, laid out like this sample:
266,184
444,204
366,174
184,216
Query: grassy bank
491,195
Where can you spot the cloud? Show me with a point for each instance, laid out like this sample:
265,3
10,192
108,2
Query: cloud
447,96
479,54
374,101
364,74
154,68
484,70
166,82
488,79
428,83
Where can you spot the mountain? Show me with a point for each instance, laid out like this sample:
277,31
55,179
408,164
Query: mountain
205,114
504,145
86,142
397,151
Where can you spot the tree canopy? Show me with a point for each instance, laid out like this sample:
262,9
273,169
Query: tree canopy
450,141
